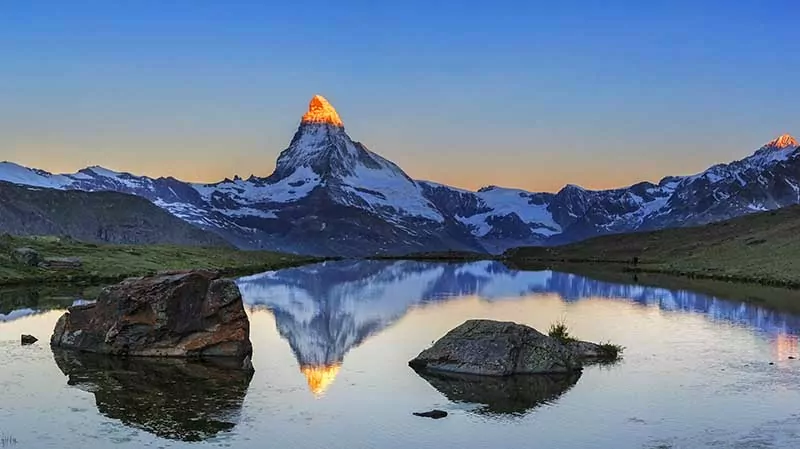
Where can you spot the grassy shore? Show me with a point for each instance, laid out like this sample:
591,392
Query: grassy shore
110,263
762,248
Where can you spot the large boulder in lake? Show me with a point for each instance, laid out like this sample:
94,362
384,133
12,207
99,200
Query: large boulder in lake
495,348
181,314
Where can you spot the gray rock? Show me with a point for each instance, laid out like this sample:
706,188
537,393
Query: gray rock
433,414
586,350
61,263
26,256
494,348
28,339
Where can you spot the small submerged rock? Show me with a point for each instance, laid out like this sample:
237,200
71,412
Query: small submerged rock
178,314
26,339
433,414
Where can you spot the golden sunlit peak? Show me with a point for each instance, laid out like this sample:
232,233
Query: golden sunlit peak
784,141
321,377
320,111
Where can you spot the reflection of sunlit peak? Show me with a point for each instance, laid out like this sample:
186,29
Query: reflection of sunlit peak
320,111
320,377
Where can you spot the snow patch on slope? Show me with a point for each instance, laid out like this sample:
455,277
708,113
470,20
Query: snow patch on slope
386,188
502,202
18,174
296,186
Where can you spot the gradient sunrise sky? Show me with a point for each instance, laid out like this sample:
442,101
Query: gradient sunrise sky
522,94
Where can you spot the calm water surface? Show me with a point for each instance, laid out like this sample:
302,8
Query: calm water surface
332,342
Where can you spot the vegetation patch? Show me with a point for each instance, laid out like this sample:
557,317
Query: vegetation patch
602,353
760,248
105,263
611,351
560,332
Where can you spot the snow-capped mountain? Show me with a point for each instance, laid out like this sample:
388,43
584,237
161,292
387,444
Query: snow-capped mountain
330,195
502,218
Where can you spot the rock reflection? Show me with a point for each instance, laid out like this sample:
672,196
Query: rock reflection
510,395
170,398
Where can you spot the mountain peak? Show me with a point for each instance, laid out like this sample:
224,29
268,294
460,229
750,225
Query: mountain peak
321,111
784,141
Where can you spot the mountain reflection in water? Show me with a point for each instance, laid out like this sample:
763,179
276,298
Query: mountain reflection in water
171,398
327,309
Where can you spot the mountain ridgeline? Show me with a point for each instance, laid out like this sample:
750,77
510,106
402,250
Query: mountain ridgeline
99,217
330,195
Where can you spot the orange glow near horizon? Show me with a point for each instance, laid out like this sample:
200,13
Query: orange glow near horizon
786,346
204,160
320,378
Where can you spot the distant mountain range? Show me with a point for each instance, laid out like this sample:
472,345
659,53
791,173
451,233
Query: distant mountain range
330,195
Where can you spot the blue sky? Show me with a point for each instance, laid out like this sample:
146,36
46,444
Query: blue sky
522,94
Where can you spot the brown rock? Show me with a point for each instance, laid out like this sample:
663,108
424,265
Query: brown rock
179,314
26,339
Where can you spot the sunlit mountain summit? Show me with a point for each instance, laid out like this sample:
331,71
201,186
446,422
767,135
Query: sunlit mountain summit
321,111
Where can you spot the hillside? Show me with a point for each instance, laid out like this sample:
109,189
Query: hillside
762,247
101,263
99,217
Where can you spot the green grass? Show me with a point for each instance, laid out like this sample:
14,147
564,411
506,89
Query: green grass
762,248
611,351
560,332
104,263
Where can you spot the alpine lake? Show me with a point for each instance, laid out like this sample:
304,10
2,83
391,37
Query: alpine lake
332,343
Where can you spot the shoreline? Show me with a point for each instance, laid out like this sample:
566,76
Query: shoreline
90,280
654,268
24,261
